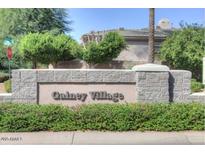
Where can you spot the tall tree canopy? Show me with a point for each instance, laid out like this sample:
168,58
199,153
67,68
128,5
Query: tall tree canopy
23,21
17,22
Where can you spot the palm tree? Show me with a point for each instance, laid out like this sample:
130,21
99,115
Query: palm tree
151,36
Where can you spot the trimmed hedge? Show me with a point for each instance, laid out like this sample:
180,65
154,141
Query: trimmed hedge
112,117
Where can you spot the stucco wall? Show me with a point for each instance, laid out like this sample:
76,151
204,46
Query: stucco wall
136,53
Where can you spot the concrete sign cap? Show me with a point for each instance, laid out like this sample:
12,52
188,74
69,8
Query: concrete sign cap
151,68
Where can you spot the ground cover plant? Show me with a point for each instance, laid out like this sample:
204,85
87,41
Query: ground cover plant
102,117
196,86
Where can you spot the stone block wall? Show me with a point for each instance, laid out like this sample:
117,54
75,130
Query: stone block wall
5,97
153,83
179,85
196,97
24,85
152,86
25,81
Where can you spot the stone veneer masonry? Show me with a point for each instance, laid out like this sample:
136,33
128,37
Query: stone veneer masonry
155,84
152,86
25,82
179,85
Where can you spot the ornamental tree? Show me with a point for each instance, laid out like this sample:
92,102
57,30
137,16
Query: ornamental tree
16,22
107,49
47,48
184,49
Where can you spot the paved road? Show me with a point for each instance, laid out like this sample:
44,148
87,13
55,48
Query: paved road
95,137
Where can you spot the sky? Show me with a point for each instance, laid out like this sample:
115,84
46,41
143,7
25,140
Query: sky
96,19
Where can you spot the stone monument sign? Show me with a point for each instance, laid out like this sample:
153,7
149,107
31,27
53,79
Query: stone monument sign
146,83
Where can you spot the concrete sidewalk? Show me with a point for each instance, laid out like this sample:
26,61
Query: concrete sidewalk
95,137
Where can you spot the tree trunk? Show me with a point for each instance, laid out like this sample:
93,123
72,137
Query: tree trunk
34,65
151,36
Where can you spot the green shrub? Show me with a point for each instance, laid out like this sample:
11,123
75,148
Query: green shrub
47,48
104,51
22,117
184,49
156,117
196,86
111,117
3,76
7,85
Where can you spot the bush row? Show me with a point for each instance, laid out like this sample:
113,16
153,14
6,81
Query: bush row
46,48
112,117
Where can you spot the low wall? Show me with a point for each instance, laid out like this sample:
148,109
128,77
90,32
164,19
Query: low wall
27,83
144,83
152,86
114,64
197,97
179,85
